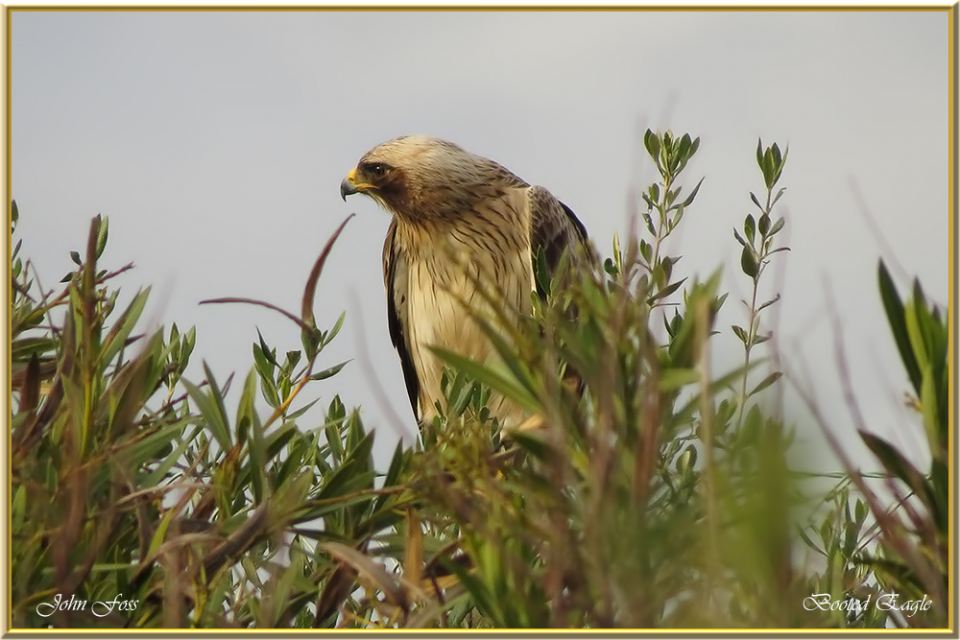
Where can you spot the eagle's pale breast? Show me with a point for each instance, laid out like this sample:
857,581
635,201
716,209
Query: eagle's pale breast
492,250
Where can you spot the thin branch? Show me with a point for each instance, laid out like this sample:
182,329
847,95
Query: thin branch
260,303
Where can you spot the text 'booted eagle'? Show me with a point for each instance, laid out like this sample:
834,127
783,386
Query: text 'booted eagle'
458,220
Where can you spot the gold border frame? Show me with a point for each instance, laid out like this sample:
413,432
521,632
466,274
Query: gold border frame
488,7
952,118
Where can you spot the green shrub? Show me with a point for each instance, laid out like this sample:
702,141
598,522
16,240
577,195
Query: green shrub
643,492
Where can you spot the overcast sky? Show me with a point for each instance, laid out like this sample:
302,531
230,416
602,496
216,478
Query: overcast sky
216,142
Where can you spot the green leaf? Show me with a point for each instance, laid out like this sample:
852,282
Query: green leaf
268,353
666,291
293,357
693,194
646,251
216,394
766,382
247,414
327,339
138,448
156,475
489,377
763,226
749,227
396,465
673,379
102,235
24,348
687,460
299,412
608,266
652,142
186,346
748,262
769,168
159,534
810,543
897,321
532,444
210,410
681,350
279,437
330,371
725,381
916,331
776,198
649,222
264,366
279,591
311,340
118,335
19,509
485,601
352,475
776,227
931,419
781,163
769,302
897,465
508,355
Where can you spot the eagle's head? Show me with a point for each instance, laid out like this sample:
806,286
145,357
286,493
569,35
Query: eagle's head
420,178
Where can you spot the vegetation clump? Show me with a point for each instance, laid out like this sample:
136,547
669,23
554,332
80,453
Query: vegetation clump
646,492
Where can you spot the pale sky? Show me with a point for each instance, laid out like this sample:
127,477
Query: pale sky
216,142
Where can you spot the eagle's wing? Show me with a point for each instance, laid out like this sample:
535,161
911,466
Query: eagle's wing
396,282
554,228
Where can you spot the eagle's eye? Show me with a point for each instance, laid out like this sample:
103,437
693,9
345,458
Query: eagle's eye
376,169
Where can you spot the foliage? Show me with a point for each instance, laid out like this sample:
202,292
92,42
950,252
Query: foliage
874,547
643,491
130,481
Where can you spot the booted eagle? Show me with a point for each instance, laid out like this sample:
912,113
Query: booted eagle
459,220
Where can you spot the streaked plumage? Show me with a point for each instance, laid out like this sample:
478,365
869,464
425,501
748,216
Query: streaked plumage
458,219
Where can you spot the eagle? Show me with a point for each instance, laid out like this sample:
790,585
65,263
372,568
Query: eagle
459,222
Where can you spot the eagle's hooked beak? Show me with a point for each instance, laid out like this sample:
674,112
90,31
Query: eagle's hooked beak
347,188
350,186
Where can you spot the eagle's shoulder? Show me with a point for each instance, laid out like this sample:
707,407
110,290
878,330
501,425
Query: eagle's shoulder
494,176
554,228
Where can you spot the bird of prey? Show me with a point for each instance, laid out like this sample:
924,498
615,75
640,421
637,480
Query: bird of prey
460,221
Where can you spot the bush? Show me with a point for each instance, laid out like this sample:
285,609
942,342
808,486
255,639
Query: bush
642,492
